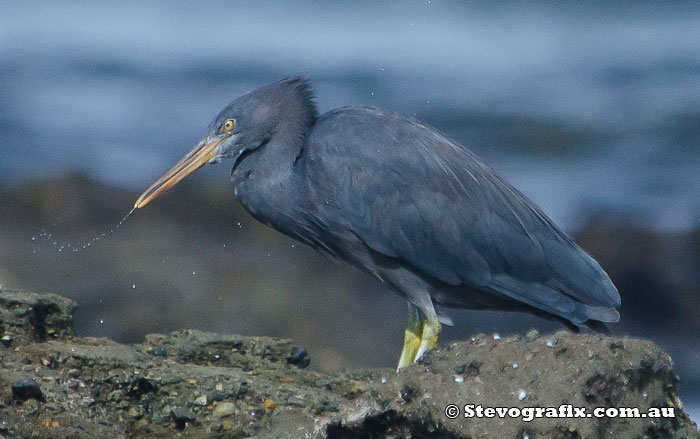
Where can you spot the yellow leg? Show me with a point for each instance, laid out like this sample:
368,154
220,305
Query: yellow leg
420,336
429,336
412,337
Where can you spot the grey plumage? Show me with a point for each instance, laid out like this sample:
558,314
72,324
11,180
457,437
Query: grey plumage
375,187
407,204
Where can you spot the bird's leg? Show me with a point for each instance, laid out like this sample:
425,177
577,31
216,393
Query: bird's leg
429,336
412,337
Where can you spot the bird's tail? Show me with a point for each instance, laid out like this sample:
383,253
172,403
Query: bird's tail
602,313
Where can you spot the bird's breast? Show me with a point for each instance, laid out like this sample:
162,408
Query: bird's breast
269,201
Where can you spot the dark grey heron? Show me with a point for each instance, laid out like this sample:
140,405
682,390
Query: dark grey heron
403,202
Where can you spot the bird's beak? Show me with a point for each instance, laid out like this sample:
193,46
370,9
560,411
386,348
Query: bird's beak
202,154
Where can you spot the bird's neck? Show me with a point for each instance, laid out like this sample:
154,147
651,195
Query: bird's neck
268,181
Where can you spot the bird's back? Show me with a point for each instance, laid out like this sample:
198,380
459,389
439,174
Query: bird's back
408,192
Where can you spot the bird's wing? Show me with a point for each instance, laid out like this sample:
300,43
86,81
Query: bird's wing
411,193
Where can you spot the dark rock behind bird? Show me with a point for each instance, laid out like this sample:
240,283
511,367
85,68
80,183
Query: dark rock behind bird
196,384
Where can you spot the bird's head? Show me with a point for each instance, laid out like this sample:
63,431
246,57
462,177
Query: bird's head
276,110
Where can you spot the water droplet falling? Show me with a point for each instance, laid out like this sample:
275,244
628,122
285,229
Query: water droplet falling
63,245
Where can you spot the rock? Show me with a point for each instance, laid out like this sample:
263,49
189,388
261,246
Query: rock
217,396
160,351
299,357
27,388
408,393
181,416
224,409
256,386
269,405
35,317
532,335
137,411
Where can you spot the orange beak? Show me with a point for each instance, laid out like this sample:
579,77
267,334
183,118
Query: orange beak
195,159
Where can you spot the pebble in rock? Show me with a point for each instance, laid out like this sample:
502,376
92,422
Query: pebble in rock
27,388
224,409
532,335
181,415
300,357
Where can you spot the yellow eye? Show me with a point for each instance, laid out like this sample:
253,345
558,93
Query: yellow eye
228,125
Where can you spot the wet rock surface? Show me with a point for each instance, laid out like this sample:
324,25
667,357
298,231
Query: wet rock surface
26,388
54,384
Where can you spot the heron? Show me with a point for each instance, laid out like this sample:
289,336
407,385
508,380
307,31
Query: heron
403,202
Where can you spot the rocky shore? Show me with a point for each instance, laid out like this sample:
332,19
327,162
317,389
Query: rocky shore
55,384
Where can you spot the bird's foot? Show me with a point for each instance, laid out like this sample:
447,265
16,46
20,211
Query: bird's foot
429,337
411,345
418,339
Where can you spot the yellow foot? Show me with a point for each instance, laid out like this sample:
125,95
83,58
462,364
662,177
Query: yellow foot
429,337
419,337
411,344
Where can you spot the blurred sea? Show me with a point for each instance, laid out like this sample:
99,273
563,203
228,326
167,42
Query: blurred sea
584,107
